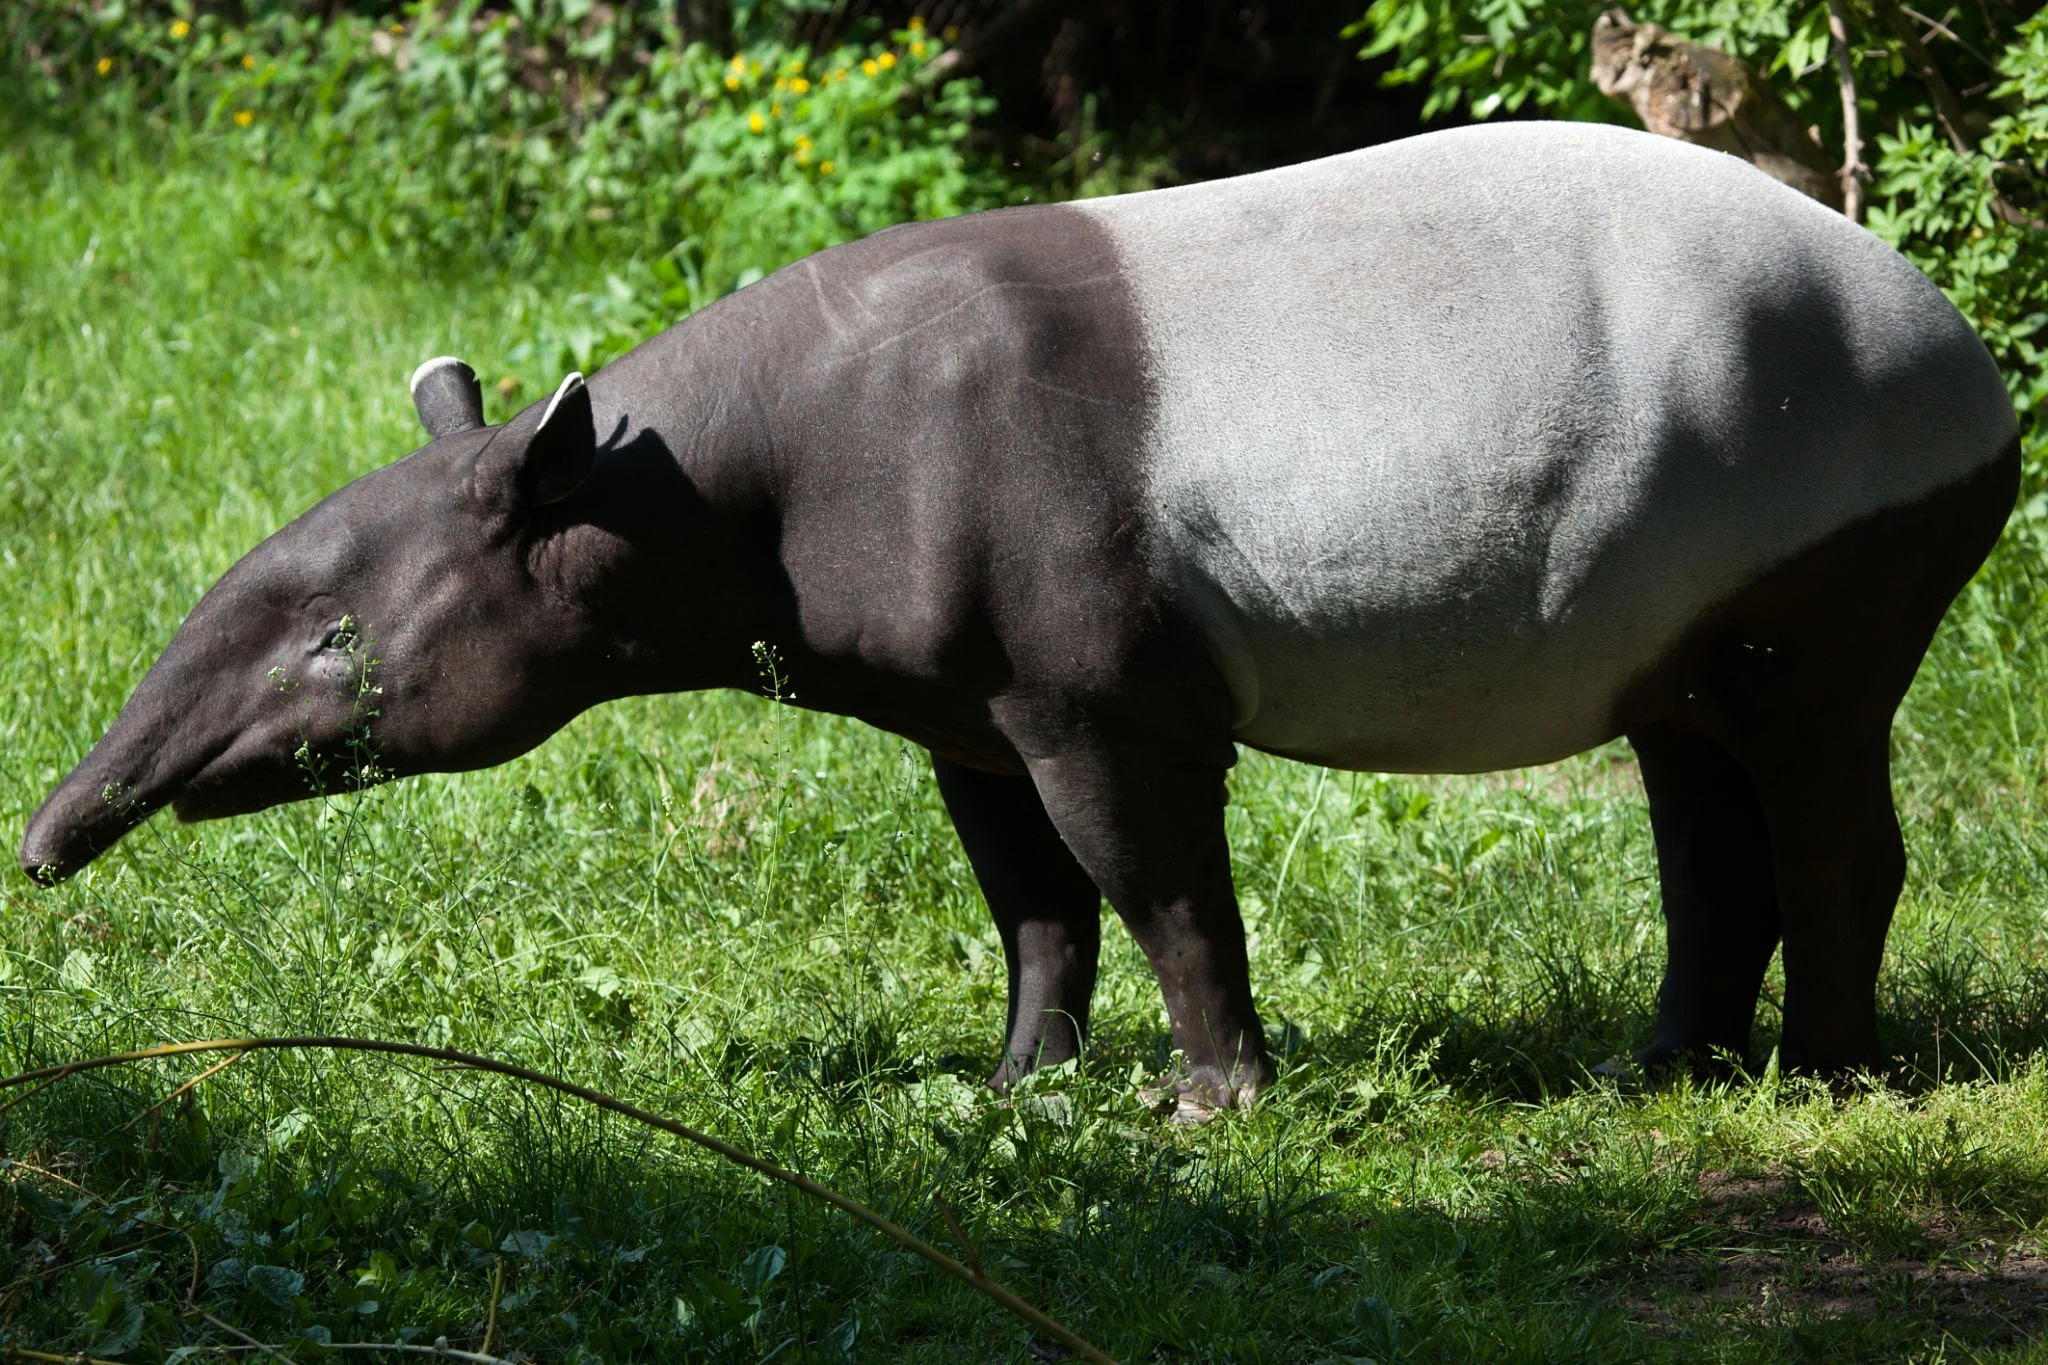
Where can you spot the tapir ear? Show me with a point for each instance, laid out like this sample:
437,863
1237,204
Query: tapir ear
448,397
564,446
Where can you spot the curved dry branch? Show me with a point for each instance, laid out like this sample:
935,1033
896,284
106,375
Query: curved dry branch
903,1237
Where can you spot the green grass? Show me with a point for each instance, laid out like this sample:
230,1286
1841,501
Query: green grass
757,921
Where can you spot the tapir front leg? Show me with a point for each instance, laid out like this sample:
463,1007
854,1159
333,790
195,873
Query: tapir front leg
1047,911
1148,827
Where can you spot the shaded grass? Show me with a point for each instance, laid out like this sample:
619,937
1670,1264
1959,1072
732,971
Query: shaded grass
757,921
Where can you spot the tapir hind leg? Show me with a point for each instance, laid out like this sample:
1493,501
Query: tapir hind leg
1719,889
1840,865
1797,678
1047,912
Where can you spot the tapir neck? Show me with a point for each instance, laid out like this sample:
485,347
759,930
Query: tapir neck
682,499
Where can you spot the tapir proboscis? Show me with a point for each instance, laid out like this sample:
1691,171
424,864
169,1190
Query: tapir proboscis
1466,452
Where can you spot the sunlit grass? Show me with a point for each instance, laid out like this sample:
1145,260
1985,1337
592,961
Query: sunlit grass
757,921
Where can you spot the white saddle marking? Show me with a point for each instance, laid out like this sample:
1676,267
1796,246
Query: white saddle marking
1455,436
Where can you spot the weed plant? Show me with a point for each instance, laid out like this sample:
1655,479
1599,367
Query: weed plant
756,920
533,128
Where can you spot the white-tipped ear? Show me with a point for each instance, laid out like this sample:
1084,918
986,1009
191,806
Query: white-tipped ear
570,384
547,461
439,362
447,396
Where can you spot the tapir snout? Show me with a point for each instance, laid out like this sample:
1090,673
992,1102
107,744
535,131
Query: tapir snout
226,722
406,624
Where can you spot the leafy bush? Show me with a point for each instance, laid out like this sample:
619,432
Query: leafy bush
1950,211
456,128
1941,207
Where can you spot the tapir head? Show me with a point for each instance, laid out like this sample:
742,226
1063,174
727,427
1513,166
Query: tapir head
425,618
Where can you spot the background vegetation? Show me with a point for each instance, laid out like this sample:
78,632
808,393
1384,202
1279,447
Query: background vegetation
1959,190
223,253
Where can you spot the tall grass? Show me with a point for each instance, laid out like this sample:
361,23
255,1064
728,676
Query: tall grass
756,920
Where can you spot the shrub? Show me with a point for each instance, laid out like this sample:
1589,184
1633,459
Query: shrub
458,129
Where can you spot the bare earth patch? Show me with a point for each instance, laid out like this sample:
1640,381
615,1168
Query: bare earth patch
1782,1260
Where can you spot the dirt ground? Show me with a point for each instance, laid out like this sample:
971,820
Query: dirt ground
1783,1260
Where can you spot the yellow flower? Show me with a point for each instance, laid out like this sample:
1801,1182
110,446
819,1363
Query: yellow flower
886,60
840,74
104,65
801,86
781,84
803,156
248,61
868,67
917,23
774,111
917,49
180,28
398,28
755,123
244,117
739,63
803,142
824,168
732,82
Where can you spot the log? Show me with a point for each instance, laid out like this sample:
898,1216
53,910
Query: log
1700,94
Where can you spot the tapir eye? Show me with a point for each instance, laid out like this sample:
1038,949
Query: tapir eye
342,638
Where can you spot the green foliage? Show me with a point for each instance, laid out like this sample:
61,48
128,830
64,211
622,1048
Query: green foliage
1484,57
455,129
1934,203
1940,205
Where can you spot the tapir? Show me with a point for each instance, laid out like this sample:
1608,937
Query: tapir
1466,452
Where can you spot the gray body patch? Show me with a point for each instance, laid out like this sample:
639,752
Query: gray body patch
1453,438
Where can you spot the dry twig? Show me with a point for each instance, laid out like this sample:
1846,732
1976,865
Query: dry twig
497,1288
959,1233
439,1348
1940,26
1855,175
196,1311
75,1358
910,1241
184,1089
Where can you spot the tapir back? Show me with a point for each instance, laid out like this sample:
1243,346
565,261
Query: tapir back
1452,439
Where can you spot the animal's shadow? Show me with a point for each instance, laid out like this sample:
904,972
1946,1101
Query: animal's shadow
1947,1012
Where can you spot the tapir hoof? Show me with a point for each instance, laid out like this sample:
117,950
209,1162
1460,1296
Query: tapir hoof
1188,1096
1663,1061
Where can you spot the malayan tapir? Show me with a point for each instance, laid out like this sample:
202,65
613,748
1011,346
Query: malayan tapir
1466,452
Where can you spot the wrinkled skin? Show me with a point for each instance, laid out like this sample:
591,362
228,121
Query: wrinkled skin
434,616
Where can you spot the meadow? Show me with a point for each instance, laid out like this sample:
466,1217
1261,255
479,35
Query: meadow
757,921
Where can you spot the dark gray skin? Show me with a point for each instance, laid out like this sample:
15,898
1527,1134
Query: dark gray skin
815,465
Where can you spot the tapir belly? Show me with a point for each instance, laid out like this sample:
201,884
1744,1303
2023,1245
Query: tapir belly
1451,440
1371,623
